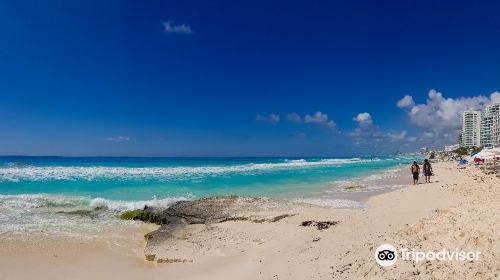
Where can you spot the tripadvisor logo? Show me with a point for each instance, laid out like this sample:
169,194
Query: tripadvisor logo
386,255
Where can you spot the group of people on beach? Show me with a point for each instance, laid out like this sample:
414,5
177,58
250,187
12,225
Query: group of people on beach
426,168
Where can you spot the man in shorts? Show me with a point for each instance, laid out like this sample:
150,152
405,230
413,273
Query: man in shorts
415,170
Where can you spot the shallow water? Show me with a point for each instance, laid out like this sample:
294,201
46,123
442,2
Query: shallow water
37,192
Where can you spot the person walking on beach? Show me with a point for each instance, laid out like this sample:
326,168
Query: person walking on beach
415,170
427,169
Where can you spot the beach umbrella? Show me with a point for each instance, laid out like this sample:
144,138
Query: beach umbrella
485,154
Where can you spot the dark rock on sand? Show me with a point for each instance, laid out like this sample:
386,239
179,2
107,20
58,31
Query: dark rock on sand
150,257
355,187
132,215
174,261
319,225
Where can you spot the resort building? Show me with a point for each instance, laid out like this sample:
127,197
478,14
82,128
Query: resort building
471,129
495,130
489,113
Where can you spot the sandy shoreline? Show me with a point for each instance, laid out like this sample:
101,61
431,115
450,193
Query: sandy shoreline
457,210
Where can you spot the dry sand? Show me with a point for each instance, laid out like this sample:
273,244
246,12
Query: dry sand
460,209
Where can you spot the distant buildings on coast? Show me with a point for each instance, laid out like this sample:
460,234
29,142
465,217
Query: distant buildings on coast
451,147
481,128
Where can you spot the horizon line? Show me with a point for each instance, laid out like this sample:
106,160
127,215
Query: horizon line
115,156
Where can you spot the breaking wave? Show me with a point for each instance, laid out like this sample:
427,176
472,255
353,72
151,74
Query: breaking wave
12,173
33,201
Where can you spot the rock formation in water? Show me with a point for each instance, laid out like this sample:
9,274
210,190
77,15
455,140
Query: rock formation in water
213,210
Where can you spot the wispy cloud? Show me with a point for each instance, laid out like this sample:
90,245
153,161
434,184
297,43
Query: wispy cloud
318,118
170,27
298,135
117,139
331,125
271,118
293,118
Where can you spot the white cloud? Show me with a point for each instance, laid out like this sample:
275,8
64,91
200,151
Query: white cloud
170,27
274,118
412,139
441,116
321,119
364,119
117,139
331,125
316,118
271,118
392,136
495,97
293,118
442,113
427,135
369,135
406,101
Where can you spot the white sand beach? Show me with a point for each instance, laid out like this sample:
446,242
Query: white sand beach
459,209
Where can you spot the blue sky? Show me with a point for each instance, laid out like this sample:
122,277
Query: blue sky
242,78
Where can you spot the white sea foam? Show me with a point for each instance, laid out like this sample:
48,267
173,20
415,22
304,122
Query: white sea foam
27,215
372,181
295,160
130,205
333,203
32,201
89,173
386,174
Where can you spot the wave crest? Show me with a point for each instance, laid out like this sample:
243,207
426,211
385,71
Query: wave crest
90,173
31,201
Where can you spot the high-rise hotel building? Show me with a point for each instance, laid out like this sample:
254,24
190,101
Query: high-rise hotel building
495,128
489,123
481,128
471,129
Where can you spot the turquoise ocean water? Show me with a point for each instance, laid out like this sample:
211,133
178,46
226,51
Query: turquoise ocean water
33,188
